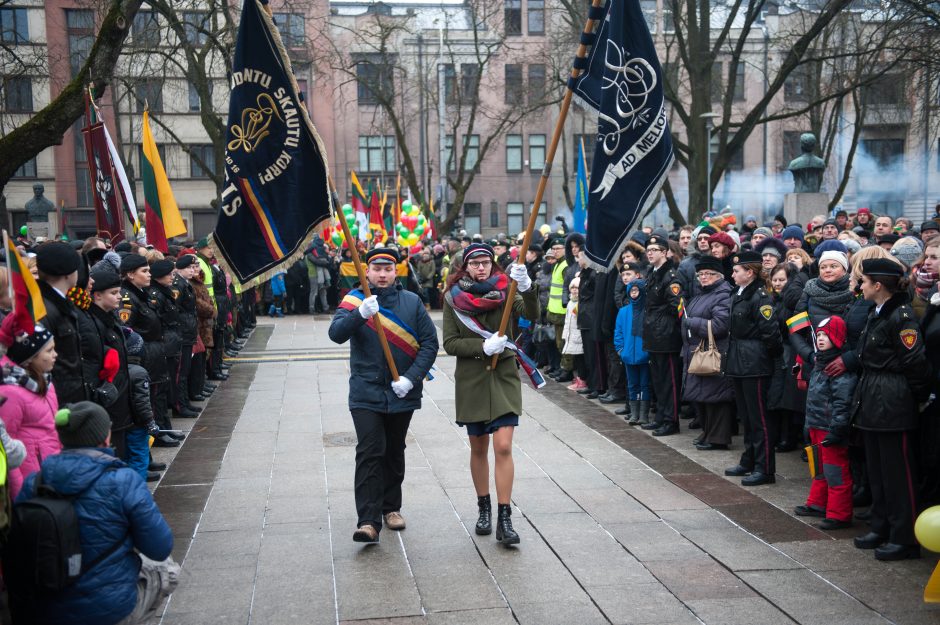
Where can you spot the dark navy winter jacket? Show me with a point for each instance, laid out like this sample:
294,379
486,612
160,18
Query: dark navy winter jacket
114,505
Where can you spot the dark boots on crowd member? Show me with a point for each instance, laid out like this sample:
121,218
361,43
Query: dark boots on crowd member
485,520
624,412
564,376
635,412
504,532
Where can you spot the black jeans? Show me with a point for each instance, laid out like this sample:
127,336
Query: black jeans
380,463
760,432
196,379
890,460
182,376
666,378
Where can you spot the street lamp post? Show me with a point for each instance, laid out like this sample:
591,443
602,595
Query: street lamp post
709,117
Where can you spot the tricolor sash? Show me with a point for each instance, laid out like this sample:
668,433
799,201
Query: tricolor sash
398,333
535,376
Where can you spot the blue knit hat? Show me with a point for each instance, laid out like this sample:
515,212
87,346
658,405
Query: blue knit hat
792,232
834,245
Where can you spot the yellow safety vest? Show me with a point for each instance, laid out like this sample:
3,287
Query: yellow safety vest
557,290
208,281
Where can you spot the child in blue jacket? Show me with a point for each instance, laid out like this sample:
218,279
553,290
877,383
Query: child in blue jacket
628,341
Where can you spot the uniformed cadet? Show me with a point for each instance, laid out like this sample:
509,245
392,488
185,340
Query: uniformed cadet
895,378
754,343
139,310
167,294
661,336
186,302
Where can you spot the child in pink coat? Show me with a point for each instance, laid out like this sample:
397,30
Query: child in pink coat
30,400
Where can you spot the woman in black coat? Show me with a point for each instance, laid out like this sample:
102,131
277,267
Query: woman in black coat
786,401
928,466
895,378
755,343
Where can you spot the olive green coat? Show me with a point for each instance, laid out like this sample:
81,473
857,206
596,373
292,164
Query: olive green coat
481,394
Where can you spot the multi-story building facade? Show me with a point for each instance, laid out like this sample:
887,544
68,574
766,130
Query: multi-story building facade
433,50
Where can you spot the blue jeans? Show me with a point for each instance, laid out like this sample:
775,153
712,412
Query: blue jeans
138,450
638,382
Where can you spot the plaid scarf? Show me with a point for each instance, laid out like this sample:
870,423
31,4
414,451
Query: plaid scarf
17,376
473,298
924,282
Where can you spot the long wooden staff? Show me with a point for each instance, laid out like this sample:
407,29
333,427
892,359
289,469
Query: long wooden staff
543,181
360,270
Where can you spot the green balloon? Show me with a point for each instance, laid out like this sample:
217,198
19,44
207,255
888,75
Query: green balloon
354,230
347,209
419,230
406,206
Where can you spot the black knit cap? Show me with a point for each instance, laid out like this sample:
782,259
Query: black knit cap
161,268
746,257
25,346
185,261
707,230
658,241
709,263
132,262
57,259
104,279
475,250
82,424
929,225
891,238
882,267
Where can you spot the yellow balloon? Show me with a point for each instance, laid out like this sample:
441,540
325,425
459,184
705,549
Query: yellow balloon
927,529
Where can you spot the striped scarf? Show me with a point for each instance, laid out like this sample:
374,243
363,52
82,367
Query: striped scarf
474,298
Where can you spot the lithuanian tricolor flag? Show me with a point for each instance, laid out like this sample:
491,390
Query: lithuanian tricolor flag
162,214
28,307
798,322
360,201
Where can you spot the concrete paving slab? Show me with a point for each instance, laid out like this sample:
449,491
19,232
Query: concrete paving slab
741,611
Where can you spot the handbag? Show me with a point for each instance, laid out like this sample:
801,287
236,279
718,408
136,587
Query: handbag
706,360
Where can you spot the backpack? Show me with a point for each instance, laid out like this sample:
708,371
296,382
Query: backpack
43,553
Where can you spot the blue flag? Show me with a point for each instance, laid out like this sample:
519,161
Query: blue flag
579,213
276,190
623,81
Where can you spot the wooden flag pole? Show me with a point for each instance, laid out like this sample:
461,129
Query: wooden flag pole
361,272
543,181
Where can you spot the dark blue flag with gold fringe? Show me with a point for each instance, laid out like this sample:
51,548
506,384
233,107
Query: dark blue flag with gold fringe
276,190
623,82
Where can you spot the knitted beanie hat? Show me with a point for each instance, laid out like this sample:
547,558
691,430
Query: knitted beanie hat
833,327
82,424
907,250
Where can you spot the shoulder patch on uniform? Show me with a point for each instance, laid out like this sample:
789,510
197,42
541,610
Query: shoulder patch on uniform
675,288
124,315
766,311
908,338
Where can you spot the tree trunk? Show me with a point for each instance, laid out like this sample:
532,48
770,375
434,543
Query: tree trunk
47,126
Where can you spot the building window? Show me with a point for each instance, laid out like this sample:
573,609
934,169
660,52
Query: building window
469,75
514,217
377,153
589,142
450,84
735,161
536,17
14,26
796,85
83,196
195,26
18,95
669,22
449,158
536,153
291,28
514,88
204,153
512,15
302,88
494,214
885,153
791,147
80,25
543,213
887,89
472,145
718,72
146,29
195,104
739,81
513,153
26,170
149,92
81,156
649,12
471,217
536,83
374,78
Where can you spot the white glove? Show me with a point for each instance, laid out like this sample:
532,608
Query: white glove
495,344
369,307
521,275
402,386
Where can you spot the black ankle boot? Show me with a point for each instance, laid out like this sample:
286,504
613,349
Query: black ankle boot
504,532
484,523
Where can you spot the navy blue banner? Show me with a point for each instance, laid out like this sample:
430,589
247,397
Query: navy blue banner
276,190
633,152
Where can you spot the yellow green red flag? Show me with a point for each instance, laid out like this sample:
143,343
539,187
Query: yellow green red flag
28,307
162,214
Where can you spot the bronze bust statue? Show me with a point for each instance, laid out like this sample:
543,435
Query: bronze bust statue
807,168
38,208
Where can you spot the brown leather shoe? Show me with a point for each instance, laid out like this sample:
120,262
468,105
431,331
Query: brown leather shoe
394,521
366,534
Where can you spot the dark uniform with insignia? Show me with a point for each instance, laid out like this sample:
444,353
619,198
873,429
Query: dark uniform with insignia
754,343
663,342
140,311
895,377
186,303
169,312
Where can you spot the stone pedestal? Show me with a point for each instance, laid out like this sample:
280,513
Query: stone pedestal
800,208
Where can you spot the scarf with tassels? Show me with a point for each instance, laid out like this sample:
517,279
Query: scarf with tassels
17,376
474,298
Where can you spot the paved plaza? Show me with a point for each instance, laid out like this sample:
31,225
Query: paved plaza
616,526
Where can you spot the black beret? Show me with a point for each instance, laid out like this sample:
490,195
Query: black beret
862,232
882,267
131,262
104,279
891,238
123,246
746,257
185,261
161,268
95,254
57,259
709,263
657,241
383,255
707,230
929,225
